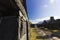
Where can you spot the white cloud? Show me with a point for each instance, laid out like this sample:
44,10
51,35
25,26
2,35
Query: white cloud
45,5
33,21
47,18
52,1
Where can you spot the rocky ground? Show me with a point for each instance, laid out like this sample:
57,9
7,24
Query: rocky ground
46,34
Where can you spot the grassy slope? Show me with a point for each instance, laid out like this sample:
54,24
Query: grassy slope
34,33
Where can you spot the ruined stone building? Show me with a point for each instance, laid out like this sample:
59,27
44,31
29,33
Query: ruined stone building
23,19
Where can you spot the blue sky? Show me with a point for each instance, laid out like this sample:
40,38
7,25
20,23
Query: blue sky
42,9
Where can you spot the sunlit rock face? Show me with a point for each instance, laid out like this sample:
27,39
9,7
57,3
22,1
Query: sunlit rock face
55,38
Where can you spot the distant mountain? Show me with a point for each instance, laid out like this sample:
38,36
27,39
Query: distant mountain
43,21
51,23
48,20
40,21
